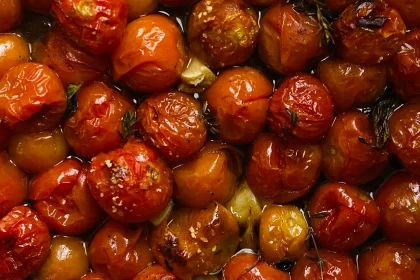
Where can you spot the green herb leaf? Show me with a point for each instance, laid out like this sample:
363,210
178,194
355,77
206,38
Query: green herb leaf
380,116
71,92
128,121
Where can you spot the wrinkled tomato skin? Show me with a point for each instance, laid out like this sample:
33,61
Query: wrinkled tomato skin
173,123
155,272
5,133
409,11
265,3
345,157
96,126
390,260
120,251
39,6
10,14
14,50
132,184
32,98
222,33
398,200
61,196
195,242
177,3
352,86
24,243
239,99
95,276
282,172
151,55
140,8
308,98
289,41
336,267
365,45
97,25
405,67
352,217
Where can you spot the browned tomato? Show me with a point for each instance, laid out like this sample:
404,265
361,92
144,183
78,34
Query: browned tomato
151,55
289,41
10,14
343,216
352,86
32,98
95,276
222,33
97,25
347,153
120,251
175,3
368,33
282,172
195,242
14,50
239,99
301,108
265,2
24,243
390,260
212,175
39,6
173,123
137,8
409,10
96,126
155,272
132,184
5,133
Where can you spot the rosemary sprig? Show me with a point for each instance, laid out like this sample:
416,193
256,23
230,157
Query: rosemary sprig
209,119
71,92
128,121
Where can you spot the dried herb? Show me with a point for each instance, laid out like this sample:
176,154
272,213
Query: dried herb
128,121
372,22
71,92
319,261
380,116
209,118
293,116
168,266
320,215
366,142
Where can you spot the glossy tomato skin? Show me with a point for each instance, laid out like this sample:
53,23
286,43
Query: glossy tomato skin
352,86
132,184
346,158
336,267
24,243
39,6
97,25
289,41
222,33
155,272
10,14
140,8
95,276
239,99
195,242
151,55
173,123
282,172
352,217
5,133
32,98
177,3
120,251
363,44
408,10
96,126
390,260
302,108
14,50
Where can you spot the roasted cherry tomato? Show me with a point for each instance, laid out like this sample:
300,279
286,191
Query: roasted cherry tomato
222,33
120,251
390,260
132,184
195,242
289,41
174,124
155,272
343,216
265,3
326,265
151,55
138,8
39,6
97,25
409,10
176,3
14,50
24,243
10,14
95,276
32,98
352,86
239,99
5,133
282,172
96,126
368,33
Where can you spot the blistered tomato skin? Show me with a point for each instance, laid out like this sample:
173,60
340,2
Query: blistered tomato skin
173,123
39,6
409,11
155,272
362,42
5,133
96,126
14,50
289,41
222,33
239,99
10,14
151,55
24,243
346,157
95,24
32,98
351,216
95,276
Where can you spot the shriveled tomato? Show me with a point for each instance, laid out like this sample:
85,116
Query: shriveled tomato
96,126
265,3
39,6
151,55
24,243
5,133
32,98
222,33
343,216
155,272
10,14
176,3
96,25
409,10
95,276
138,8
14,50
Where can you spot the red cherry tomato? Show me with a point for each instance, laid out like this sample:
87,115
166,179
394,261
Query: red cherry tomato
10,14
409,10
155,272
94,276
39,6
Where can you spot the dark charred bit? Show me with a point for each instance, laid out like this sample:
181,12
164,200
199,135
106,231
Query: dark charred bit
321,215
170,249
168,266
372,22
293,116
209,119
366,142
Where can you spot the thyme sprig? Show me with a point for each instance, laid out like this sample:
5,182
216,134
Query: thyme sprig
128,121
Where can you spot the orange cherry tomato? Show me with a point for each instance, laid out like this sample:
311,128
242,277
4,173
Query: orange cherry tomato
39,6
155,272
14,50
10,14
409,10
95,276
